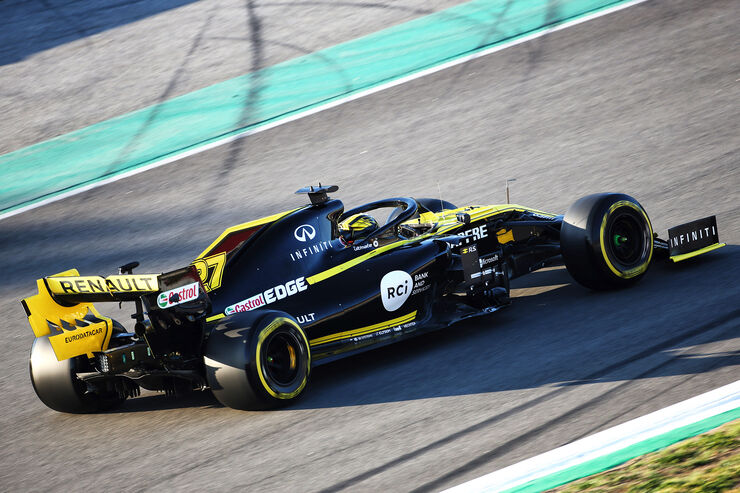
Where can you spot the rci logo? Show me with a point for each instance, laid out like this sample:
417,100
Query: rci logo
304,232
395,289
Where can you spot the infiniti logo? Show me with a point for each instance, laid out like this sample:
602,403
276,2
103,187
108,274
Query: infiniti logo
304,232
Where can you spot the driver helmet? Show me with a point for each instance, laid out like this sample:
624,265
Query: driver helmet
357,227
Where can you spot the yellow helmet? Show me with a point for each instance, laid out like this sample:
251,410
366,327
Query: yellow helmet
357,227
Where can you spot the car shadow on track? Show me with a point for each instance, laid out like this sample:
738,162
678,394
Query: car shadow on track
559,334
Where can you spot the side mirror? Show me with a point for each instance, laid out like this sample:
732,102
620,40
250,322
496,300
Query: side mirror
463,217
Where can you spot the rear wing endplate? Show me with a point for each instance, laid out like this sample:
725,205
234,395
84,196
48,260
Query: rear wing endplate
73,329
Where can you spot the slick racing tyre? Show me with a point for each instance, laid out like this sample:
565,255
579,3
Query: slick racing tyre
606,241
57,385
257,360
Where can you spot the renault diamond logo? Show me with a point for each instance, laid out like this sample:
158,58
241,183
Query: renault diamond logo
304,232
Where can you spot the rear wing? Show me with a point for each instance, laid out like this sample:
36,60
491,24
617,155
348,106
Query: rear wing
79,289
63,309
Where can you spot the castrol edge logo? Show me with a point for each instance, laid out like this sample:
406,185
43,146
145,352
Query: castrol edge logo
268,296
189,292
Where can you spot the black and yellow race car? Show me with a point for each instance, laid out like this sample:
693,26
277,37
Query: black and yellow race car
270,298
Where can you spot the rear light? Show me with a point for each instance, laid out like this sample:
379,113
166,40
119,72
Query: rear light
124,358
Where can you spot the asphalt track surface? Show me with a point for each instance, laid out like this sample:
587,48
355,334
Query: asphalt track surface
68,64
642,101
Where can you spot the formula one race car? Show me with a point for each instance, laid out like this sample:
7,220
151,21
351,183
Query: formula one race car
270,298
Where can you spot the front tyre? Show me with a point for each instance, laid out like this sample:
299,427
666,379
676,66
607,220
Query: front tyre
57,385
606,241
257,360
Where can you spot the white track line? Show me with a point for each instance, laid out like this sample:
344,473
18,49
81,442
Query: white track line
684,413
317,109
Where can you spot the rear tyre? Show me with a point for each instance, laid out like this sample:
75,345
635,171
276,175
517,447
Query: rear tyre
257,360
606,241
57,385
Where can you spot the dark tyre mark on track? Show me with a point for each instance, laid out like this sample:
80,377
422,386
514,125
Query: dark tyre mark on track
165,95
255,86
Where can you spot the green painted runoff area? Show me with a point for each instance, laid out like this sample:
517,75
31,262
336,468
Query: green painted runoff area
146,136
614,459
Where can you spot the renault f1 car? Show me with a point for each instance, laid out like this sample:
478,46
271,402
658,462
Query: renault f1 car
270,298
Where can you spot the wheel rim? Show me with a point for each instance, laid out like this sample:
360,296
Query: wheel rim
626,240
280,359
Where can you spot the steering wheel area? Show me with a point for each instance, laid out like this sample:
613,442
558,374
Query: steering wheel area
409,208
